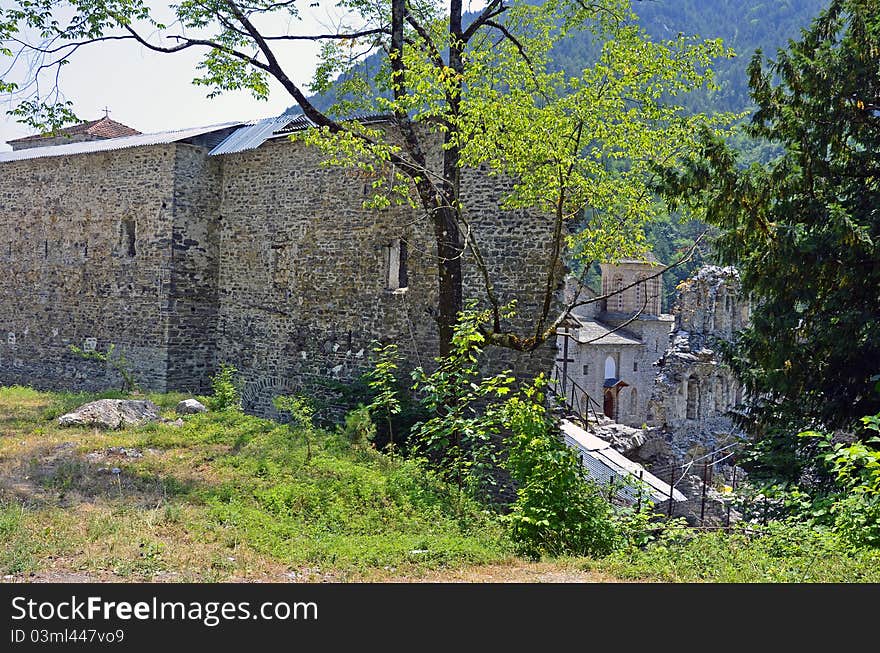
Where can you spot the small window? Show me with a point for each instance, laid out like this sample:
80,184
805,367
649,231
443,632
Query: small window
586,370
127,237
396,260
281,263
635,366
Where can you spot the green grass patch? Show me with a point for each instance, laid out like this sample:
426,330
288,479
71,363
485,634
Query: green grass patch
225,495
781,553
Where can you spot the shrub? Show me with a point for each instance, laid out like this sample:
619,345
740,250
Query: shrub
558,511
856,468
302,415
359,428
118,362
226,389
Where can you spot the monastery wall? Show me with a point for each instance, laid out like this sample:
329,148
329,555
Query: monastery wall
86,260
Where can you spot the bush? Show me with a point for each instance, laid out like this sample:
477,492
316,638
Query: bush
557,510
226,389
359,429
855,509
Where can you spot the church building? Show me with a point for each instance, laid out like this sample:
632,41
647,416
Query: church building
608,350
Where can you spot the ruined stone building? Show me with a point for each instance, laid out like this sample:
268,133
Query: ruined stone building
227,243
694,391
610,348
666,396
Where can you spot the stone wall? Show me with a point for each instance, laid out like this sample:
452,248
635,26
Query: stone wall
265,259
303,284
86,261
195,264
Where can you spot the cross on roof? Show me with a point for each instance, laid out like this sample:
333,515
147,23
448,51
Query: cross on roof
106,112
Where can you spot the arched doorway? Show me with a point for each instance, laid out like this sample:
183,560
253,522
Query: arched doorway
608,403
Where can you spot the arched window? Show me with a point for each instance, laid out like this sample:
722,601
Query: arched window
720,392
610,368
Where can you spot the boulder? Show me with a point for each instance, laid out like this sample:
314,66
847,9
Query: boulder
190,407
112,414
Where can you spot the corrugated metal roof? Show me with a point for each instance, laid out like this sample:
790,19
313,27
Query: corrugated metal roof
606,465
105,145
251,137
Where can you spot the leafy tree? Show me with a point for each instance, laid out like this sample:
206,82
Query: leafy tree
301,413
458,95
805,231
382,380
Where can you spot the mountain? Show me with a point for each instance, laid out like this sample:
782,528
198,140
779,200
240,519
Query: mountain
745,26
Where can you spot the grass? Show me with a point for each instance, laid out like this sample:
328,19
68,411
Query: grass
226,496
781,553
231,497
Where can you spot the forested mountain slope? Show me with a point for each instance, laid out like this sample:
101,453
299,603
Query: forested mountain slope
745,26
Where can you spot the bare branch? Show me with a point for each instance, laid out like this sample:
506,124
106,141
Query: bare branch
494,8
510,37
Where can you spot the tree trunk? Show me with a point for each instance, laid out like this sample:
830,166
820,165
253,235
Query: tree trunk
449,249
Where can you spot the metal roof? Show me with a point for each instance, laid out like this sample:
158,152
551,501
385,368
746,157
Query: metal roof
605,465
597,333
252,136
86,147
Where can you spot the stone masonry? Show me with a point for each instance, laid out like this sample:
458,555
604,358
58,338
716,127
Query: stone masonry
264,259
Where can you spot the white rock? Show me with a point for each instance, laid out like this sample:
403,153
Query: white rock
190,407
112,414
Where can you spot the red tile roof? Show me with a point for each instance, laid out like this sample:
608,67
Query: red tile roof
103,128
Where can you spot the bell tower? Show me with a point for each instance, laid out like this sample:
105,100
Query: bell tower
644,296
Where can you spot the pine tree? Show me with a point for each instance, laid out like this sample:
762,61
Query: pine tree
805,232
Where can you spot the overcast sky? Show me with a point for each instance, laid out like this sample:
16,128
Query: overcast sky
153,92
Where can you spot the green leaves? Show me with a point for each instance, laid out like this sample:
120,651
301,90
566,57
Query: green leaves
804,232
557,510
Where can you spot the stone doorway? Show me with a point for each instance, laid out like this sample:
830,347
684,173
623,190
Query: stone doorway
608,404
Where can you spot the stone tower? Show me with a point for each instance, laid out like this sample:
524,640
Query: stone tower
644,297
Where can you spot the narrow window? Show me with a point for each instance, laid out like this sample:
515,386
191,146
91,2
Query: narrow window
127,237
396,260
280,258
693,398
635,366
618,288
586,370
